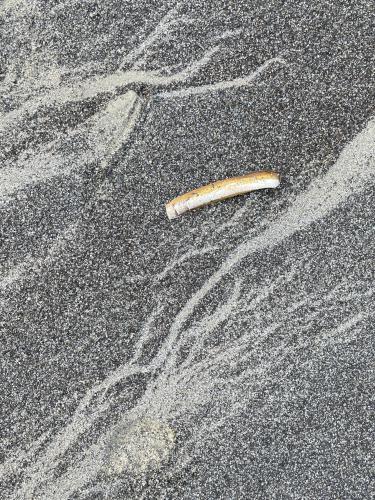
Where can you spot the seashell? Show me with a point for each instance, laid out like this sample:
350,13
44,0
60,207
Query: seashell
221,190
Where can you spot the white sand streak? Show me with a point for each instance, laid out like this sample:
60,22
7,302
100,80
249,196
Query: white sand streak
180,389
223,85
353,172
107,84
161,31
109,129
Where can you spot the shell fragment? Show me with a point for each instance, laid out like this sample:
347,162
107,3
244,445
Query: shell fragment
220,190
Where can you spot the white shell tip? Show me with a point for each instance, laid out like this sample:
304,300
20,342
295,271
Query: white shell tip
171,212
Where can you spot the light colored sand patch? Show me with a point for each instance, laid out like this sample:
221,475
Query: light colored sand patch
112,126
15,7
103,134
36,264
140,446
40,167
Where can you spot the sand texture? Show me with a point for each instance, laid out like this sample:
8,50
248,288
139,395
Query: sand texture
229,353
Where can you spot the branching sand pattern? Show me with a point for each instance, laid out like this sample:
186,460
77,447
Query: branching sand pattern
104,133
202,359
179,388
